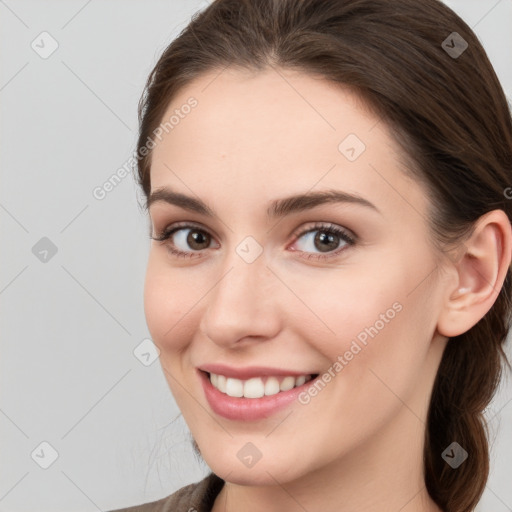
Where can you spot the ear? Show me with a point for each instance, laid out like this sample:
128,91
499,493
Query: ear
480,272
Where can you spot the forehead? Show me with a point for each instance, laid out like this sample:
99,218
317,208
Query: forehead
267,132
271,109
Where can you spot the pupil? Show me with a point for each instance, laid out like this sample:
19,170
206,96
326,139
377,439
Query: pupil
329,238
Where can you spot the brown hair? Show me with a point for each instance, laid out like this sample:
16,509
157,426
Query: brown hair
449,114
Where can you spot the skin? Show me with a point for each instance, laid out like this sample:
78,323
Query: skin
358,444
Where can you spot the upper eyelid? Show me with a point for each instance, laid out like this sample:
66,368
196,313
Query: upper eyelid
179,225
317,225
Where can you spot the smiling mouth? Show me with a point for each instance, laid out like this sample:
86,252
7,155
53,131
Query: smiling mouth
257,387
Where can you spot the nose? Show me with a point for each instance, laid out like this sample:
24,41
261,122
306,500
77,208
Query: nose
243,306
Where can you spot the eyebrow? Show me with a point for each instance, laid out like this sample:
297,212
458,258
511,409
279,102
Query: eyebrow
277,208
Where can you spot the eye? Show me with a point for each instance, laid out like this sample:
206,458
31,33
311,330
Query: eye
320,241
185,239
323,238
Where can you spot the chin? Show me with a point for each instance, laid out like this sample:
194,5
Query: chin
262,472
254,476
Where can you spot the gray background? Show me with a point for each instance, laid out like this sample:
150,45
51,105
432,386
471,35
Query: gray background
71,323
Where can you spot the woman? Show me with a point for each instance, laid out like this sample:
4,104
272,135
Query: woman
328,282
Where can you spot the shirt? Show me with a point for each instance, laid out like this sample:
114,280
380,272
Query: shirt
197,497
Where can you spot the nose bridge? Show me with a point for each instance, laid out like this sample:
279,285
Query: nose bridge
241,303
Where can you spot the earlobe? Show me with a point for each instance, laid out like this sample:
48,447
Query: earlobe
481,271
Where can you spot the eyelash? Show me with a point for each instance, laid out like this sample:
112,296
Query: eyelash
331,229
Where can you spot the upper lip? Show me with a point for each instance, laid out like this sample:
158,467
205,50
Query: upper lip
249,371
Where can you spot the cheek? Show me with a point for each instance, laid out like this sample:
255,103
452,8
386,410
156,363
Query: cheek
382,334
347,303
168,305
372,315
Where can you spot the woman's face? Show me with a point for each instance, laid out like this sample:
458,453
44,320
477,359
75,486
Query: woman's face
267,289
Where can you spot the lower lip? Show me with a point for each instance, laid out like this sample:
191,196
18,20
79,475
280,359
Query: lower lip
248,409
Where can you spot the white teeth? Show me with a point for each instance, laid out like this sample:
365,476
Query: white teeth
221,383
272,386
234,387
287,383
300,380
255,387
